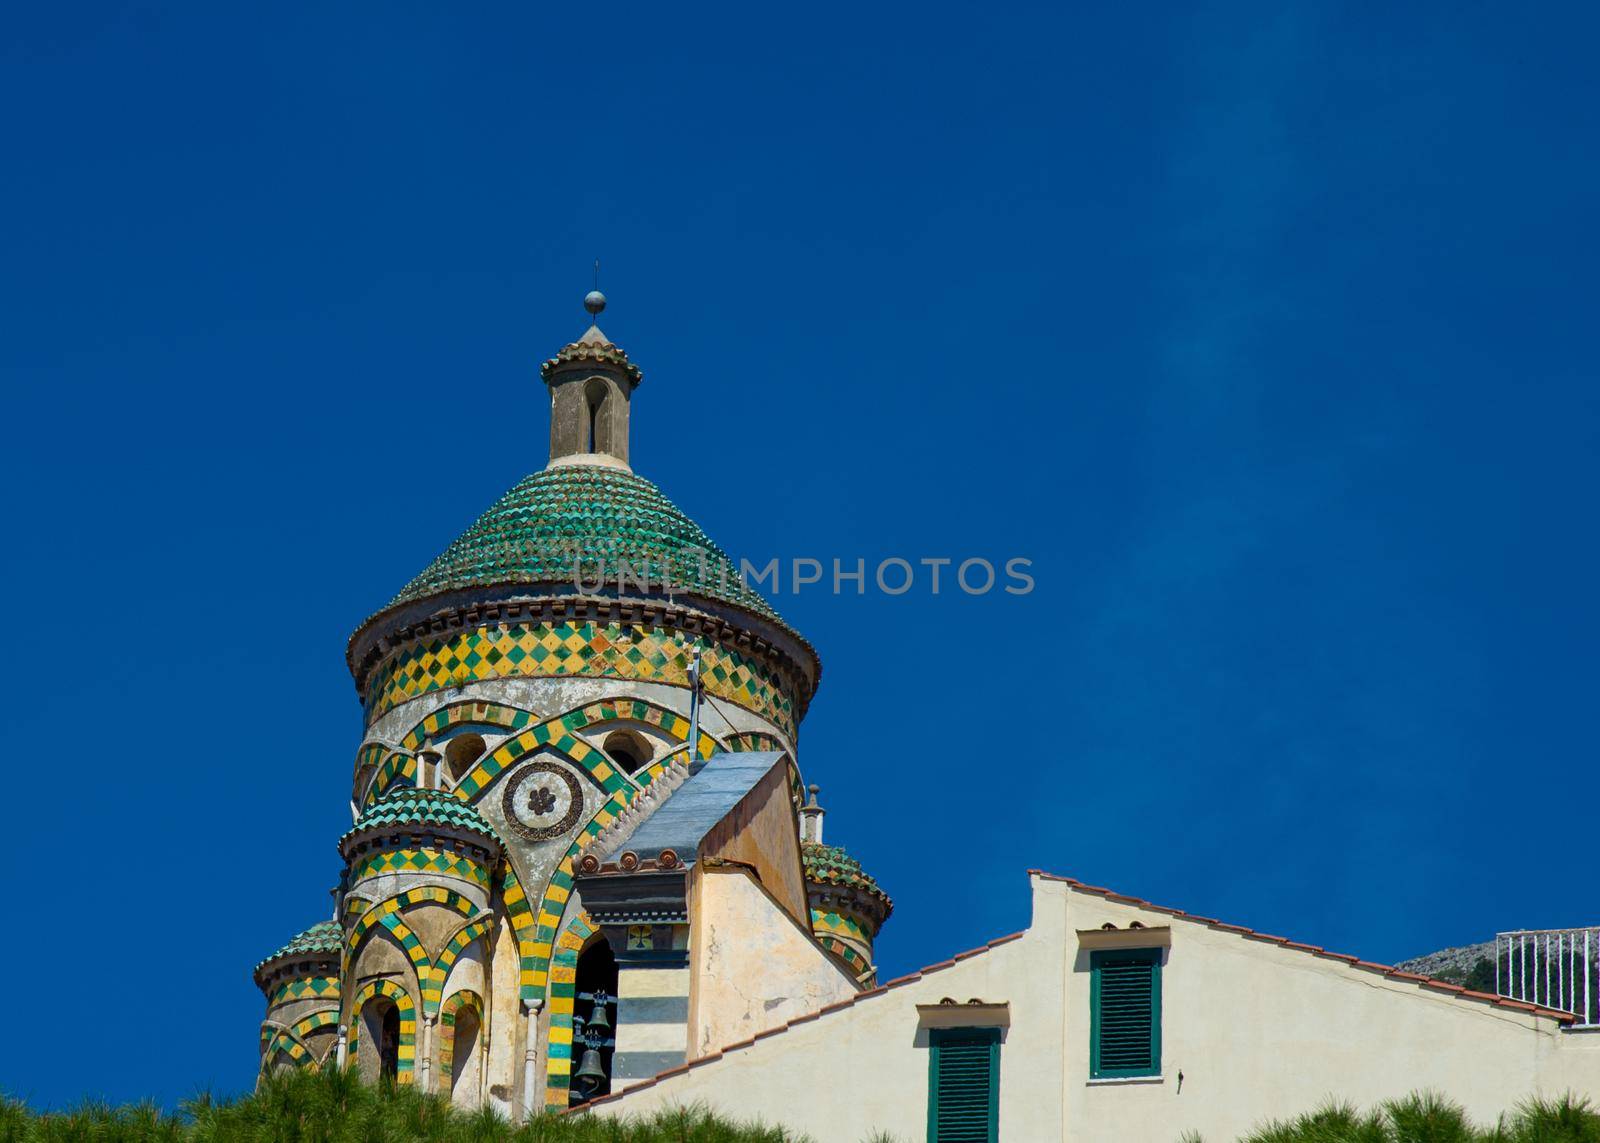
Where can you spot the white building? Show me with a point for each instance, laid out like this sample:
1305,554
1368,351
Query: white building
1111,1018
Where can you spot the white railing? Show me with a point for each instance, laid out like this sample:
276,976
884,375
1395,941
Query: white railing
1552,967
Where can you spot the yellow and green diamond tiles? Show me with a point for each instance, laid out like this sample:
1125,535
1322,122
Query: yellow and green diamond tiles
305,988
541,650
422,861
562,994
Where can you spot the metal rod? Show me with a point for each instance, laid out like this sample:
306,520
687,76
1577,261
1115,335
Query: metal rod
694,708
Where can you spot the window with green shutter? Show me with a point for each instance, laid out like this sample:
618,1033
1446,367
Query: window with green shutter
1125,1013
963,1085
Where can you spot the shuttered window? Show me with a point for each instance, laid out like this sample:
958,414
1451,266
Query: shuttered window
963,1085
1125,1013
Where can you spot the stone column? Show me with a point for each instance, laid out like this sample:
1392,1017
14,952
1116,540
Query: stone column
531,1088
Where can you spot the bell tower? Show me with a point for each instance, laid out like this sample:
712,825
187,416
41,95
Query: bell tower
591,388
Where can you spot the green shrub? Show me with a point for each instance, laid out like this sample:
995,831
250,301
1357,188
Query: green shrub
335,1107
1430,1118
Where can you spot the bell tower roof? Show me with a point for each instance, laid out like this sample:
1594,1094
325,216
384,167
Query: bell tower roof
593,348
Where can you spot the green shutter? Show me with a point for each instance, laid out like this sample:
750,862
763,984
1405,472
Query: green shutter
1125,1013
963,1085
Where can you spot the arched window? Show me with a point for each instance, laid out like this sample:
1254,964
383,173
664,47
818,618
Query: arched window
463,751
628,750
595,395
464,1059
594,1023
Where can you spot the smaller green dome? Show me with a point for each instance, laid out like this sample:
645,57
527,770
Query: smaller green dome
831,865
325,938
409,806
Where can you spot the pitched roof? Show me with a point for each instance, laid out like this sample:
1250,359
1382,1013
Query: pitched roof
1432,983
706,797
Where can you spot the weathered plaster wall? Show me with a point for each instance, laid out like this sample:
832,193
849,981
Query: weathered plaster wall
753,966
864,1069
505,1020
761,833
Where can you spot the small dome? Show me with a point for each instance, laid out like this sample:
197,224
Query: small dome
411,807
831,865
323,939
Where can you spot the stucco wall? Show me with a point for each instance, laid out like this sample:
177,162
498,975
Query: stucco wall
762,832
862,1069
1258,1030
1261,1031
753,966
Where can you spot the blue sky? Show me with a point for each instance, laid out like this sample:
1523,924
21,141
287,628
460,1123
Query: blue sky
1266,331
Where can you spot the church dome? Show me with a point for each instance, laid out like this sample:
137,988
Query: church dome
831,865
406,810
586,519
314,951
322,938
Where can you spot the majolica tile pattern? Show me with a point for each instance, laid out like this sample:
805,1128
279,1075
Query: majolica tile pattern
562,994
589,521
322,937
400,769
421,861
411,807
834,930
575,647
307,987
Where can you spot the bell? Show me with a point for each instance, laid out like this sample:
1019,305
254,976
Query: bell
590,1073
598,1021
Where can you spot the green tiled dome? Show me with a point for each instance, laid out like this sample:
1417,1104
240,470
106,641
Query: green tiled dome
325,938
595,516
831,865
409,806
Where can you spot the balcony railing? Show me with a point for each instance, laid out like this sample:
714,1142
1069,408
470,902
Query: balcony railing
1552,967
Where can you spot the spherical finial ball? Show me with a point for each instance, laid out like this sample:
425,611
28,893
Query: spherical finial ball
594,301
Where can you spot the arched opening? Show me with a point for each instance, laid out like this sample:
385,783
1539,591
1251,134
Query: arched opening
464,1060
594,1023
389,1044
461,753
378,1051
595,397
628,750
